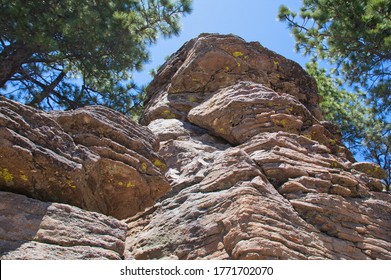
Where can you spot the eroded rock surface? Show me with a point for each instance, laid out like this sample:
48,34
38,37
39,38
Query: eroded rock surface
93,158
236,153
255,171
32,229
212,62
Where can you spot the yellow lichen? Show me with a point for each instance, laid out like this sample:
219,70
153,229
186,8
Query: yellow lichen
192,99
168,114
309,136
159,164
128,185
6,175
334,164
246,57
71,184
144,167
23,177
238,64
237,54
282,122
226,68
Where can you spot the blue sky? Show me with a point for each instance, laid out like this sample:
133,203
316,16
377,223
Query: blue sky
253,20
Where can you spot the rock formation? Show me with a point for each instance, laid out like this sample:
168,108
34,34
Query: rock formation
237,162
93,158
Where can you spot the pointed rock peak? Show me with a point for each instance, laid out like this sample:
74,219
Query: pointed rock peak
212,62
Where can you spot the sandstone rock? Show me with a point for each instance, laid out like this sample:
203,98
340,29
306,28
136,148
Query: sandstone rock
223,207
371,169
232,213
31,229
212,62
254,172
246,109
278,186
365,222
172,129
93,158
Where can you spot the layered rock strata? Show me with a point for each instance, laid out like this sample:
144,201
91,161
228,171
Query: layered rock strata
256,173
32,229
237,162
93,158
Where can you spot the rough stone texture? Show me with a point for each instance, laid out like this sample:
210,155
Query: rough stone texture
93,158
31,229
255,171
277,196
246,109
212,62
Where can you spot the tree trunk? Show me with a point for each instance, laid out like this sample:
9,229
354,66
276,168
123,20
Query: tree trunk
11,59
46,89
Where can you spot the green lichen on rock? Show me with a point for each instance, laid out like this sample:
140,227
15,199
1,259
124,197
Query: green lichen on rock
159,164
7,176
23,177
193,99
167,114
71,184
144,167
127,185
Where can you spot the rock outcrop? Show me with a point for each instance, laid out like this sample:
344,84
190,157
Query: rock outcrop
237,157
93,158
256,173
32,229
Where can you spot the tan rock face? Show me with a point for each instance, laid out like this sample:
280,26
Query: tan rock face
255,171
32,229
246,109
92,158
212,62
251,170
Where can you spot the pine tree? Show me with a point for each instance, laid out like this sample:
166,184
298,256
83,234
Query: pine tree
355,37
64,54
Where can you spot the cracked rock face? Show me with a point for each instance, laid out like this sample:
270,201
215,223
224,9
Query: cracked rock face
255,171
93,158
32,229
209,63
236,155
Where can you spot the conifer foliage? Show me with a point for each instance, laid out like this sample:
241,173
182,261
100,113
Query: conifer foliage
355,37
64,54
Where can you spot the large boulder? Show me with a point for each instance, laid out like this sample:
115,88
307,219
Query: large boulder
93,158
